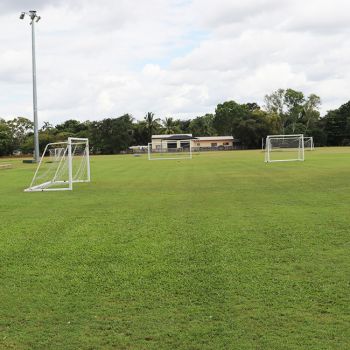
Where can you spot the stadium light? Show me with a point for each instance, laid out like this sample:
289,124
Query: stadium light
34,18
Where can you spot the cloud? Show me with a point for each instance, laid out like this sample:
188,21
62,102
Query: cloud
177,58
11,6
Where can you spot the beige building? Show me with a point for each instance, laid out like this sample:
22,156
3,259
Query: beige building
183,140
213,142
171,141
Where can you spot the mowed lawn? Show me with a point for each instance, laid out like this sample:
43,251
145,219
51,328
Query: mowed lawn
218,252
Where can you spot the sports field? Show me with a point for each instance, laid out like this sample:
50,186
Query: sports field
219,252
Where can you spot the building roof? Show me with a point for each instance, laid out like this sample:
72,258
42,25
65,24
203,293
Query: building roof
180,137
215,138
189,137
173,136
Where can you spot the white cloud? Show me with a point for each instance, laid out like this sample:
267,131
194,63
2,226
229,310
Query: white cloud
178,58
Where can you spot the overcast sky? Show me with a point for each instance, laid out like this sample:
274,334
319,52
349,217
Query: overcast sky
179,58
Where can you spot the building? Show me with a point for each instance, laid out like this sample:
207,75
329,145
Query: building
172,141
197,143
213,142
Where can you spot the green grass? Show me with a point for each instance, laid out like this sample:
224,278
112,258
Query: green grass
218,252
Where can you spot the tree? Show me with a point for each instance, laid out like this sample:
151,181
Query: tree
44,138
252,106
203,126
6,146
112,135
183,125
152,124
311,114
295,113
275,102
228,116
253,127
47,126
294,101
71,126
170,126
141,133
20,128
336,124
246,122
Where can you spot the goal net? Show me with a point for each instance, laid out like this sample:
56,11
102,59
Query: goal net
309,143
284,148
56,153
61,165
170,149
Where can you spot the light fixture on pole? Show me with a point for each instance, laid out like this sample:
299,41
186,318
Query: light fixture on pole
34,18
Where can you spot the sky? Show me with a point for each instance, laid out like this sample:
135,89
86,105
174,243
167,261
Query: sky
175,58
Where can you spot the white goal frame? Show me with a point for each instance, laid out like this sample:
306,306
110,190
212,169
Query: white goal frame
56,153
65,154
309,143
300,151
175,153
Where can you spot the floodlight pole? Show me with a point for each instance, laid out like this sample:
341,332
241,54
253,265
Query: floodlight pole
34,18
35,101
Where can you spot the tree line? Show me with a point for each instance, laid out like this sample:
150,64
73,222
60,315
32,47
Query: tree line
286,111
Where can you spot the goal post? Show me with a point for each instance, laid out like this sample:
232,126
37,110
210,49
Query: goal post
309,143
61,165
170,149
284,148
56,153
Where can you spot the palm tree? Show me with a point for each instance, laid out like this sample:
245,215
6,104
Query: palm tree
170,126
152,124
47,126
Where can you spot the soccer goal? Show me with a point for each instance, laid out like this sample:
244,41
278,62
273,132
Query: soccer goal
61,165
309,143
284,148
170,149
56,153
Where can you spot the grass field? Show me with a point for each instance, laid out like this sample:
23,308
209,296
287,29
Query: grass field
218,252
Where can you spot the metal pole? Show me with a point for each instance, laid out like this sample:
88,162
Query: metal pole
87,150
35,103
70,164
